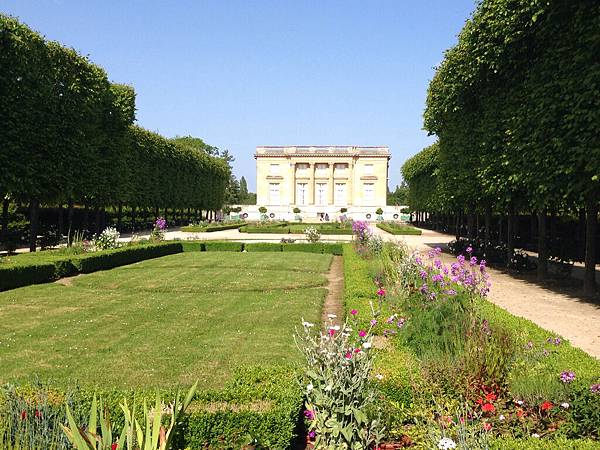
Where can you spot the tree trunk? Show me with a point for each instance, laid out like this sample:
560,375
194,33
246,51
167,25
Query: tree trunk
488,225
510,236
500,230
133,224
86,213
456,225
61,220
4,232
532,221
69,221
471,225
542,246
34,209
581,235
589,280
97,224
119,215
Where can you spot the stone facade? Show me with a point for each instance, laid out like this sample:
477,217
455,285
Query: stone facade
322,179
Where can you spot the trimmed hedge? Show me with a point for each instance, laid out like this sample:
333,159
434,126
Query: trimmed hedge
17,276
263,247
44,267
222,246
265,402
399,229
209,229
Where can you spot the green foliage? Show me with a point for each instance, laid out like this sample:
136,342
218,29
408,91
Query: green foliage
212,227
215,246
42,267
398,229
262,247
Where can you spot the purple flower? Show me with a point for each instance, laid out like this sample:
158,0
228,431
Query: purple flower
557,341
460,259
567,377
450,292
595,388
529,345
469,249
423,274
312,434
437,263
401,322
437,278
419,261
309,414
473,260
424,289
373,322
160,223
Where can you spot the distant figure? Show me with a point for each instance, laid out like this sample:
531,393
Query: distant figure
326,217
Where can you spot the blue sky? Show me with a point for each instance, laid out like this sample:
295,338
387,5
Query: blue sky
244,73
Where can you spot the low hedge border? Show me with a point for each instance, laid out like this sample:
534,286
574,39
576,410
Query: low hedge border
399,230
51,267
287,229
209,229
265,402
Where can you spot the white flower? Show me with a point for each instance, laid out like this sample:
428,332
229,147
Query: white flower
446,444
335,327
329,387
308,324
519,402
565,405
331,316
535,435
366,345
379,376
309,387
501,417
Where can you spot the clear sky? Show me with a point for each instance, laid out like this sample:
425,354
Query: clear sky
242,73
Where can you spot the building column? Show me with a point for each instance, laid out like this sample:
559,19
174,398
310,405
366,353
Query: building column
311,184
331,190
292,196
350,184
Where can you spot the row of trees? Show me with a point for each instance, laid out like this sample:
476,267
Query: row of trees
515,105
67,137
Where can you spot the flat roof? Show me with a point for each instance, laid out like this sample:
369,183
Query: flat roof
348,150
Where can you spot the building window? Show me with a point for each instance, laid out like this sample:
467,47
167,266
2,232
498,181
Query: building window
340,169
368,169
274,169
301,193
321,194
340,194
274,198
369,194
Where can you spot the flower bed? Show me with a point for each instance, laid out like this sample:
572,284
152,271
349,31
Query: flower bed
399,229
211,227
456,366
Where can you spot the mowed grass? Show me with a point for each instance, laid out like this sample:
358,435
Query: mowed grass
162,322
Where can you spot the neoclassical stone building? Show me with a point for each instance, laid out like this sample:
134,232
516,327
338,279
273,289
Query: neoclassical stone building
322,179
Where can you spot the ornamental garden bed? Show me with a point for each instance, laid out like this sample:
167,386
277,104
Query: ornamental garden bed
208,228
398,228
331,228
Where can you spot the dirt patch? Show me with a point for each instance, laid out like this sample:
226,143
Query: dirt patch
335,289
66,281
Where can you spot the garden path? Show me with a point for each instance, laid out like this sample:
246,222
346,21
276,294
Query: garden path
335,287
560,310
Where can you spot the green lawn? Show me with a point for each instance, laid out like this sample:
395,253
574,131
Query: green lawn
164,321
398,229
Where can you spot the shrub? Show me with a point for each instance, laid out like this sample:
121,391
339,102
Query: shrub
14,276
379,211
296,210
333,248
262,210
92,262
263,247
108,239
303,247
215,246
339,397
312,234
211,228
398,229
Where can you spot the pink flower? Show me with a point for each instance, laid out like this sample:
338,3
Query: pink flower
348,355
373,322
487,426
309,414
381,292
354,312
357,350
362,333
331,332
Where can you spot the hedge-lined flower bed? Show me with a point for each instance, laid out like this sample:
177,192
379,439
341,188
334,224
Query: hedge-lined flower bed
211,227
399,229
455,368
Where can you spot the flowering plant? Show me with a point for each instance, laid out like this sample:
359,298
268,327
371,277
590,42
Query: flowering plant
361,231
339,396
312,234
108,239
158,232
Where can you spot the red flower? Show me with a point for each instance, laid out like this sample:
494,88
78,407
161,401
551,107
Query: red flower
348,355
38,414
479,401
491,397
487,426
488,407
114,446
23,415
546,406
520,412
